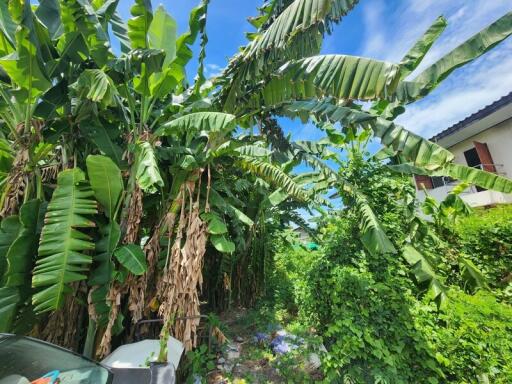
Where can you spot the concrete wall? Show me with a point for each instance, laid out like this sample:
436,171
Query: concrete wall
499,142
470,196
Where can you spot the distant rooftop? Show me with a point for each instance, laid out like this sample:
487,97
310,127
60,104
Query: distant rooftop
475,117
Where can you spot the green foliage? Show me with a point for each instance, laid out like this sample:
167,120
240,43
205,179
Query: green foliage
106,182
471,338
132,258
97,86
338,76
199,121
147,171
416,54
366,306
368,327
68,101
199,363
62,258
292,262
19,237
139,24
485,238
222,244
162,34
103,270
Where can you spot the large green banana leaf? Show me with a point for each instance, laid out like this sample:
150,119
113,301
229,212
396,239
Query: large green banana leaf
139,24
9,297
162,34
132,258
199,121
466,174
476,176
9,300
21,253
187,40
100,135
110,234
20,257
7,30
8,232
425,274
274,175
339,76
7,25
97,86
61,258
415,55
120,31
474,47
298,17
222,244
473,277
48,12
106,182
373,236
147,172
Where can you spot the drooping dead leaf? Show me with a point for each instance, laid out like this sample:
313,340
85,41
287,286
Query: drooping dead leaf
62,327
132,221
114,301
219,335
15,184
179,286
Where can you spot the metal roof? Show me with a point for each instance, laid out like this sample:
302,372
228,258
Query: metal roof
484,112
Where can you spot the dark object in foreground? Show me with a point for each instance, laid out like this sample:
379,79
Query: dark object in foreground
24,360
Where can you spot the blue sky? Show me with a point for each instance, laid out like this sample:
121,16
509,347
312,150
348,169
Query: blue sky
384,30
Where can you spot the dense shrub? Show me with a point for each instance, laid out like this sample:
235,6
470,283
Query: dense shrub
486,238
471,338
368,328
380,331
376,323
292,260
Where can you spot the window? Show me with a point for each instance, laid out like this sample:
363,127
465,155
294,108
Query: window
472,158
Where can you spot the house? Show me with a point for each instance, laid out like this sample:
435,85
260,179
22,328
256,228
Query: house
482,140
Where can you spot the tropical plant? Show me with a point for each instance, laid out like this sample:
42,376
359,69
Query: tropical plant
145,173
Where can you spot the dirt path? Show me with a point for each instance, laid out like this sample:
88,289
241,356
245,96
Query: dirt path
261,351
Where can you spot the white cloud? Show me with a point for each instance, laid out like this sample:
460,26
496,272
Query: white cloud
392,30
468,91
212,70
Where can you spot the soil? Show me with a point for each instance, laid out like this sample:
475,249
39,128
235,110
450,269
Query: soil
244,360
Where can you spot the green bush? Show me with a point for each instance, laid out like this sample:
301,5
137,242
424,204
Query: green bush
376,322
368,328
486,238
472,338
379,332
291,261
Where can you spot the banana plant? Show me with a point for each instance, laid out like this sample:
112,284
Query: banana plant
143,170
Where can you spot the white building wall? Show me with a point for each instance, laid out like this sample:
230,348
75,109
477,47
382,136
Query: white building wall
499,142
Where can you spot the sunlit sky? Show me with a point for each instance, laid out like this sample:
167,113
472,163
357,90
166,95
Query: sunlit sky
385,30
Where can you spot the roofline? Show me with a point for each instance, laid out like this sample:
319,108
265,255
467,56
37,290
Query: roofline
484,112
